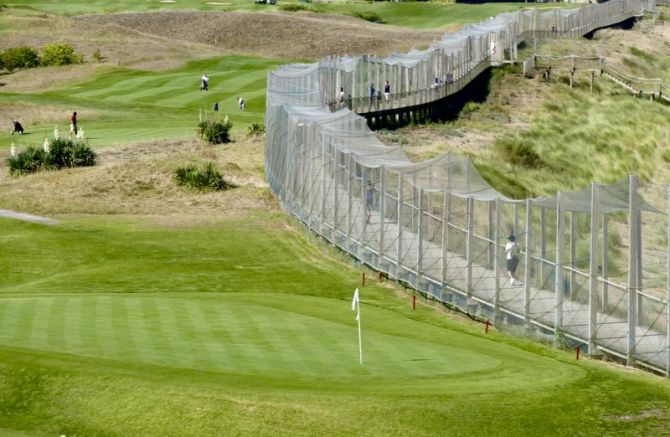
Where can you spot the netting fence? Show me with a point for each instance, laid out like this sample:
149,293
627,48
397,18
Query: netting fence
584,273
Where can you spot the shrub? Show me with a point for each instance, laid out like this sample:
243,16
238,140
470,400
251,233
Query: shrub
256,129
98,56
63,153
60,54
30,160
519,151
20,57
206,178
215,131
68,153
666,155
373,17
470,107
294,7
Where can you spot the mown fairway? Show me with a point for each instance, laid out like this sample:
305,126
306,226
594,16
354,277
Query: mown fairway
124,105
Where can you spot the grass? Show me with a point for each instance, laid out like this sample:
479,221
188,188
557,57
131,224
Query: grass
213,333
132,105
420,15
164,324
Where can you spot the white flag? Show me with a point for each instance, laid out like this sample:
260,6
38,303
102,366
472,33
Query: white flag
355,304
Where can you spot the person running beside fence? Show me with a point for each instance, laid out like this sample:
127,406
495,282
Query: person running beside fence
387,90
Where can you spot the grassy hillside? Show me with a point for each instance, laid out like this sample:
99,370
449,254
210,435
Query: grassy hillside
247,326
153,310
410,14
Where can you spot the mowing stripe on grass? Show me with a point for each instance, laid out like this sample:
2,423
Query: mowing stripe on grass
227,333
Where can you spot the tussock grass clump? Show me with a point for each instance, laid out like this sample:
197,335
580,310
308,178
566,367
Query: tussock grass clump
519,151
295,7
62,153
372,17
205,178
215,131
256,130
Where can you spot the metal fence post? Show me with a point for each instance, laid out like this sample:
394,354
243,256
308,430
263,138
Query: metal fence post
496,263
399,242
527,263
558,274
632,269
667,303
382,211
593,271
468,245
419,259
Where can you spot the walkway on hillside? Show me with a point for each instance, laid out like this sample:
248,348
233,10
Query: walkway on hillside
363,240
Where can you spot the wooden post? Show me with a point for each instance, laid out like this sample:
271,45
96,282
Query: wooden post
593,74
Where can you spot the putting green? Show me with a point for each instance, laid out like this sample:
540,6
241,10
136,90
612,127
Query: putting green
231,333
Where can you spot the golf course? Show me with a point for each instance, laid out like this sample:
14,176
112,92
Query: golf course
147,308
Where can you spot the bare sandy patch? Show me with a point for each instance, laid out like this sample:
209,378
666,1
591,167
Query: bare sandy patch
272,34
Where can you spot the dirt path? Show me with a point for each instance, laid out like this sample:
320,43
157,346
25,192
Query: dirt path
27,217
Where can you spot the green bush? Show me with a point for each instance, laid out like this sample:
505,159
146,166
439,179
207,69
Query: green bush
215,131
98,56
63,153
30,160
373,17
68,153
294,7
256,130
519,151
60,54
20,57
206,178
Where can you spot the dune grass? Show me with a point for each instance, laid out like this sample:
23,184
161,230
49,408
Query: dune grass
245,327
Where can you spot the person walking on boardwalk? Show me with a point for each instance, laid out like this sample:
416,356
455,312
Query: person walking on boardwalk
387,90
511,257
369,200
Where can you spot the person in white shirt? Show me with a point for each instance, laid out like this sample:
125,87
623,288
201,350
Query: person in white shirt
205,82
512,257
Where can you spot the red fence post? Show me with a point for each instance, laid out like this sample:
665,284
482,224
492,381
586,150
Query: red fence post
577,350
381,278
363,279
414,301
486,329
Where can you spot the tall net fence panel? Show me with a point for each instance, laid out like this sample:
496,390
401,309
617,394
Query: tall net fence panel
576,266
